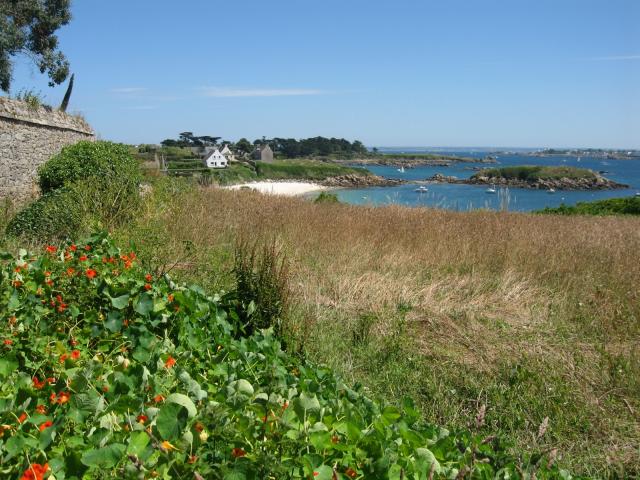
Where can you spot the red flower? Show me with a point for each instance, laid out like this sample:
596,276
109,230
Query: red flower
7,342
51,249
41,409
83,258
51,380
49,282
17,283
192,459
87,248
75,355
35,472
22,417
199,427
238,452
148,277
37,384
158,399
170,298
73,248
47,274
73,342
315,474
52,397
63,397
63,357
45,425
147,286
91,273
170,362
70,271
142,419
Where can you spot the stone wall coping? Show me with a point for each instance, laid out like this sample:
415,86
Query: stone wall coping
22,112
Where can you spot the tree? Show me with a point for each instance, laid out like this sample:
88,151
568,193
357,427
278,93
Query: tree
67,95
27,27
243,146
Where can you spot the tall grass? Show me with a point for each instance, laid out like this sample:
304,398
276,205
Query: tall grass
532,316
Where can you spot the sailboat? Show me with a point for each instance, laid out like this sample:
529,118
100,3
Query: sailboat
491,189
401,169
551,190
421,189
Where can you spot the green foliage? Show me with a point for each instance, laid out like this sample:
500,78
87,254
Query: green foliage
109,371
28,27
326,197
55,215
315,147
305,169
33,99
261,285
612,206
85,160
531,173
88,185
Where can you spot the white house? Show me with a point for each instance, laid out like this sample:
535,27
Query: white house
228,154
215,159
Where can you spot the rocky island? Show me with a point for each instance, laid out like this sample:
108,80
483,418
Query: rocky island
537,177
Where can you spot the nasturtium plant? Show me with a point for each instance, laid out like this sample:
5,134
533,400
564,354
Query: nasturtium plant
110,371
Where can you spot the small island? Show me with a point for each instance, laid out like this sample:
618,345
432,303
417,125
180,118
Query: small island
537,177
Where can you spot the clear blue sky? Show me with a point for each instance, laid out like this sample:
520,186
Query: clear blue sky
527,73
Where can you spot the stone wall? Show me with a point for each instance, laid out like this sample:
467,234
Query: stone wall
28,138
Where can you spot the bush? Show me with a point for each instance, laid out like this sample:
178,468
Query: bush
325,197
55,215
89,160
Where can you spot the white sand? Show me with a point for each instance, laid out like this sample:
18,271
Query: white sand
288,189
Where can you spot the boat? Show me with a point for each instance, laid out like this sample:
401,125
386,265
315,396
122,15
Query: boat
637,194
421,189
551,190
491,189
401,169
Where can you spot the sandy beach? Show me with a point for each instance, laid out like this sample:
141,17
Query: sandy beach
289,189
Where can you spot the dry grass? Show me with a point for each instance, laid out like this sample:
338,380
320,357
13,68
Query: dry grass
487,294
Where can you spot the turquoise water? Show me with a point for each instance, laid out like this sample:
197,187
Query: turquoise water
469,197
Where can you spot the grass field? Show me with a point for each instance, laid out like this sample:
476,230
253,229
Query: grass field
532,316
305,169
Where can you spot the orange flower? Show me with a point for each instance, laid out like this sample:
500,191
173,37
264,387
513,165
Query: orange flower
170,362
75,355
51,249
70,271
73,248
49,282
17,283
351,473
87,248
63,397
12,320
83,258
158,399
91,273
7,342
170,297
315,474
35,472
142,419
37,384
238,452
47,274
73,342
52,397
45,425
63,357
285,405
41,409
105,388
147,287
148,277
22,417
51,380
192,459
199,427
167,446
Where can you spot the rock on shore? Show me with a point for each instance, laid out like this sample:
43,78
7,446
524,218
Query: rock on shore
352,180
596,182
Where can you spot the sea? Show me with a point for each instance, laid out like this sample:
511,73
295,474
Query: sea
470,197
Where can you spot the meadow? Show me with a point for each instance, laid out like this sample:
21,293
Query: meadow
532,319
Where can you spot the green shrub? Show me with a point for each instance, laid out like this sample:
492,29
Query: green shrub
89,160
325,197
612,206
55,215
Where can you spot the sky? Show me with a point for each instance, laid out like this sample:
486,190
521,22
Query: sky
501,73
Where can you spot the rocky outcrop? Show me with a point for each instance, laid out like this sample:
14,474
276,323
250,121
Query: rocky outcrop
352,180
595,182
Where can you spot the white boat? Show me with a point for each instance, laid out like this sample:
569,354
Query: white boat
491,189
401,169
551,190
421,189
